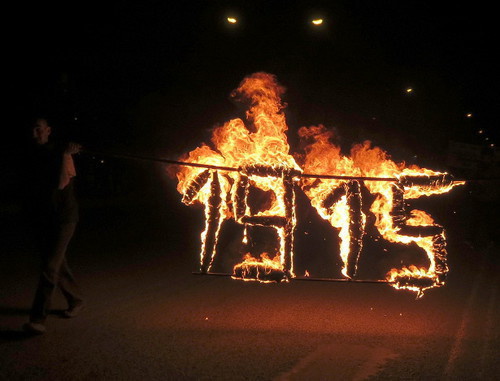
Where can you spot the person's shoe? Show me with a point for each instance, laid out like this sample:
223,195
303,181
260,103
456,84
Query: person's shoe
73,311
34,328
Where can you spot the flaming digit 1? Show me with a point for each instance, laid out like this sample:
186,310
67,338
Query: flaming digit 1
343,208
213,219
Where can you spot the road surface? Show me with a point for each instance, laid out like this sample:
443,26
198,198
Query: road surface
149,318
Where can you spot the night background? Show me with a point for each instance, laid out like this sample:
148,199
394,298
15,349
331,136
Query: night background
153,78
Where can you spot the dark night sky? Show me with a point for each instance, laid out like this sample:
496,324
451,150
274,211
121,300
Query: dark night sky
151,76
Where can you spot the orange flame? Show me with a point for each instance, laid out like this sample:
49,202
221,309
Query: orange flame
258,148
259,140
264,270
322,156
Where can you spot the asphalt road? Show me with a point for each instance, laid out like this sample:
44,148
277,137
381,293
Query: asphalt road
148,317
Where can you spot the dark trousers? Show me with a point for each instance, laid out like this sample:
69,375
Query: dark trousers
55,272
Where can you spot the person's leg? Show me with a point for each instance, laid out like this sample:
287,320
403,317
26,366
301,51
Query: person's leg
68,286
49,277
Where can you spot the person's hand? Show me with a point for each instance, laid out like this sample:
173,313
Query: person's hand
72,148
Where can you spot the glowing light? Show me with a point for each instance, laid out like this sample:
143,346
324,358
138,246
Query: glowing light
409,90
480,131
262,156
317,21
232,20
266,164
469,115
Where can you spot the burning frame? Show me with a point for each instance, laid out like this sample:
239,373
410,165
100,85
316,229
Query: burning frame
255,153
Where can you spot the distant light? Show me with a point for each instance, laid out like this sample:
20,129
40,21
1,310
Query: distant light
487,139
480,131
409,90
232,20
317,21
492,145
469,115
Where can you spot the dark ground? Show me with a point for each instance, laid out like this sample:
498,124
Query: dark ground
148,317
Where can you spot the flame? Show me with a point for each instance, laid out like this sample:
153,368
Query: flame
411,278
262,140
322,156
375,162
265,269
257,148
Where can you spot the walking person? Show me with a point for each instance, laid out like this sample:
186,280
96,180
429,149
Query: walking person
54,211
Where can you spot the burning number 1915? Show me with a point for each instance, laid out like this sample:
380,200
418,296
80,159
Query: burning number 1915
341,207
257,152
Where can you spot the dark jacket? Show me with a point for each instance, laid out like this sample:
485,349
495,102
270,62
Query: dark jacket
44,201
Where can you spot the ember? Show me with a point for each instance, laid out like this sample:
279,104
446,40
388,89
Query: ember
264,270
255,153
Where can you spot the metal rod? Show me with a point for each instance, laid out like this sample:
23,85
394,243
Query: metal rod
342,280
158,160
232,169
315,176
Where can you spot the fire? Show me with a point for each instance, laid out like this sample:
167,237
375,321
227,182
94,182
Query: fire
259,148
411,278
254,152
393,222
264,270
337,201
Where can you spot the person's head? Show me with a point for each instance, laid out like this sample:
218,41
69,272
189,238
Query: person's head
41,131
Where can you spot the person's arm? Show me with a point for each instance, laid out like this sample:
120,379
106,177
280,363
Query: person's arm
68,167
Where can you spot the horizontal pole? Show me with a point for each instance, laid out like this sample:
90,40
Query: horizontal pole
339,177
233,169
158,160
341,280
